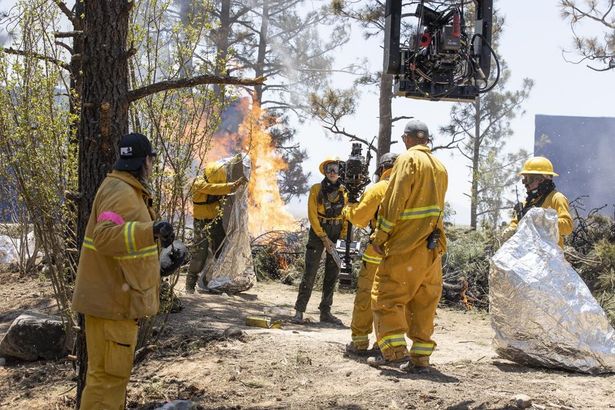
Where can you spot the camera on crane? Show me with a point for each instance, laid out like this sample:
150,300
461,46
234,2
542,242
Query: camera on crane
354,173
440,60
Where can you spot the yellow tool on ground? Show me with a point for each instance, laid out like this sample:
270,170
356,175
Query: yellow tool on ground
265,322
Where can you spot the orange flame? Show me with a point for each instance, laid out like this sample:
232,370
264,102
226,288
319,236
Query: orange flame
266,208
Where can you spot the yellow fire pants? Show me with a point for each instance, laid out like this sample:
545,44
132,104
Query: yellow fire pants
405,294
111,346
362,316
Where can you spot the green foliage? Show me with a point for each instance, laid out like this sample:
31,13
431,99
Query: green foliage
591,17
467,260
591,251
179,122
37,149
293,181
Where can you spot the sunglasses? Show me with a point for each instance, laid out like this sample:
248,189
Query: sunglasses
332,168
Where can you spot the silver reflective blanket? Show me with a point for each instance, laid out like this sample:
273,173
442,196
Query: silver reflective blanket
233,270
541,310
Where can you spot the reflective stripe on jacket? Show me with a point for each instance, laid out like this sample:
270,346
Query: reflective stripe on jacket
413,202
118,276
364,212
558,201
315,208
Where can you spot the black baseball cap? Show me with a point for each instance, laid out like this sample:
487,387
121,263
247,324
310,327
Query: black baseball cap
133,149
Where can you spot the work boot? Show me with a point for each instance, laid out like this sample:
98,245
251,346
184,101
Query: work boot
352,349
397,356
190,284
375,350
327,317
416,364
298,318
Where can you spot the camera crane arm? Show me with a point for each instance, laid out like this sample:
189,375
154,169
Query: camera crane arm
441,61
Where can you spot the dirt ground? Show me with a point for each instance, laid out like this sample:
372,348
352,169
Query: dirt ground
296,367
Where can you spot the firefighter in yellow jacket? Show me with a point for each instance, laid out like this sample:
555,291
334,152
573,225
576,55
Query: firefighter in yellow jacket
362,214
207,192
325,204
537,176
410,238
118,277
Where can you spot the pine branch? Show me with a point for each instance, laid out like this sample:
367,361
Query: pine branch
38,56
401,117
69,14
142,92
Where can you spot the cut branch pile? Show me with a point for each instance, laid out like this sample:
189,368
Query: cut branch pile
279,255
591,251
465,269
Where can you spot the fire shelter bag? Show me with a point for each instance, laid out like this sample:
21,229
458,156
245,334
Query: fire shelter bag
542,312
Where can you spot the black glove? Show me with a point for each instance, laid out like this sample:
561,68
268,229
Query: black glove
164,231
172,258
177,259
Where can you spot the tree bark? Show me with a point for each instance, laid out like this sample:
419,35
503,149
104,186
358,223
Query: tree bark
222,45
384,105
104,113
259,67
74,236
475,164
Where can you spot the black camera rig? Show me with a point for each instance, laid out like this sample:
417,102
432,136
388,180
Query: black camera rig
354,174
440,60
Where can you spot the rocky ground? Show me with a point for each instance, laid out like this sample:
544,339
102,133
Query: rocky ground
297,366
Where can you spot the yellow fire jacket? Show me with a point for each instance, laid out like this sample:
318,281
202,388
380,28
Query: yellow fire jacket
364,212
213,183
118,276
201,190
558,201
316,212
413,202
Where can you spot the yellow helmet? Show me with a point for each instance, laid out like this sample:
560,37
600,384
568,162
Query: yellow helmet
327,161
215,172
538,165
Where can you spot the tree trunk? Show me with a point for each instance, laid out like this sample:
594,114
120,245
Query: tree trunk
104,113
222,45
475,164
384,105
259,68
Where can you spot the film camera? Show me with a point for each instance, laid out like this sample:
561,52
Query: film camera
354,174
440,60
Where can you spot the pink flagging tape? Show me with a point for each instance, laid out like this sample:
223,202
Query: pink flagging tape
110,216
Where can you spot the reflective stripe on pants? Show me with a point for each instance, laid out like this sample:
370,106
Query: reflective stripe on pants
405,294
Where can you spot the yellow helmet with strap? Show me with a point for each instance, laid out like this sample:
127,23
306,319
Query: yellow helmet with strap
328,160
538,165
215,172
